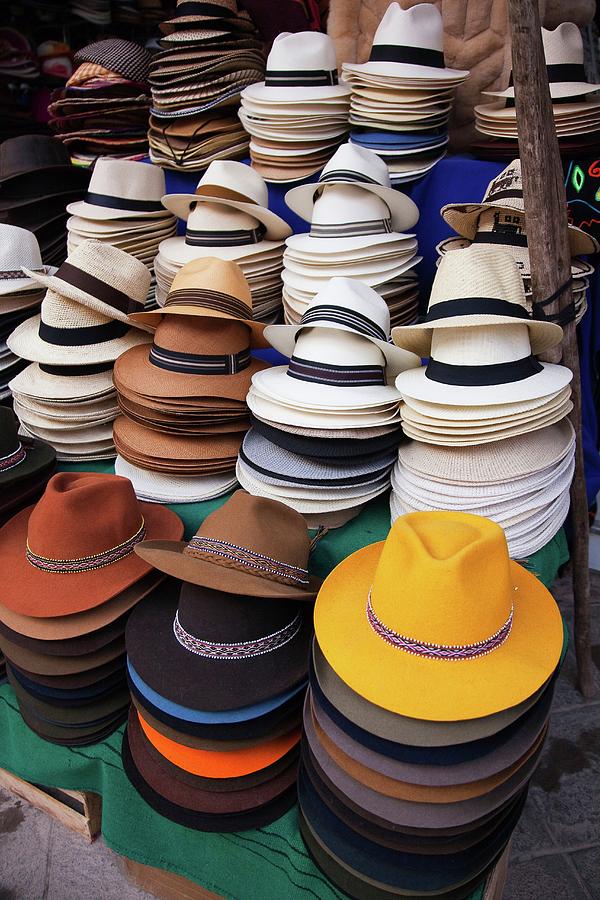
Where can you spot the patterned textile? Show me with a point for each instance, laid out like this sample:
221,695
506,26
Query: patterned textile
124,57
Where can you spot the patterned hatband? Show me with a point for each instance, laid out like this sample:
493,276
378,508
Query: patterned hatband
12,274
452,652
86,563
13,459
351,229
337,376
240,650
243,559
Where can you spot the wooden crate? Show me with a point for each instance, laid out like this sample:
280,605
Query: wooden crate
164,885
79,811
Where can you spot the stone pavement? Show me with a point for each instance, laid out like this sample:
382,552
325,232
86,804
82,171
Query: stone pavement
555,853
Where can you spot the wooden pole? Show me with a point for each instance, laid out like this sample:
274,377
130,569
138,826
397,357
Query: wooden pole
546,213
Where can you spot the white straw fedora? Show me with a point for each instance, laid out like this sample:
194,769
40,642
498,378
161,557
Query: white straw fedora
351,164
271,410
563,49
477,286
19,251
102,278
57,383
233,184
348,306
122,189
301,66
408,44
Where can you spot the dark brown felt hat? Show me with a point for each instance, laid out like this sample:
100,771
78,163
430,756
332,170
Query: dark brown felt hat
83,716
75,679
41,664
215,651
250,545
77,646
71,737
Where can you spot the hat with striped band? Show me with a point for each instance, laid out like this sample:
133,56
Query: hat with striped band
122,189
19,247
300,66
351,164
250,546
211,288
350,306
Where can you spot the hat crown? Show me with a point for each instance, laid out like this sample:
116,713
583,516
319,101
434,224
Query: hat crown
62,312
9,439
353,296
113,267
234,177
443,578
218,217
507,187
480,345
315,345
61,526
261,526
475,272
127,179
212,275
350,158
199,336
418,26
303,50
563,44
18,248
31,152
344,204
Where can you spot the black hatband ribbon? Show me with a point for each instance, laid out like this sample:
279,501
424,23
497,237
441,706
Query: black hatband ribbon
476,306
483,376
564,316
75,337
198,364
99,289
124,203
301,78
504,238
196,238
347,175
415,56
77,370
562,72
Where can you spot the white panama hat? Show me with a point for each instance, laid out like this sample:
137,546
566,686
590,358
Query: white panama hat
155,487
408,44
351,164
59,384
19,251
122,189
236,185
273,411
301,65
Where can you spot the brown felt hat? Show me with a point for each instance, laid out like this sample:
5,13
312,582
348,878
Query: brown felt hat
74,680
76,646
63,560
250,545
90,713
40,664
71,737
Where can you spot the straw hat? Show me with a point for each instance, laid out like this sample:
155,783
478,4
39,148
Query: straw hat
352,164
506,192
236,185
212,288
67,333
563,49
159,488
19,250
89,559
247,546
476,286
301,66
445,562
56,383
408,44
122,189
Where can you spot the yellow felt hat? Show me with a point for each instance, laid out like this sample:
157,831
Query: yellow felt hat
437,623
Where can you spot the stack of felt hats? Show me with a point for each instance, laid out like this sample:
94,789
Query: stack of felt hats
218,668
183,398
575,107
123,208
358,224
26,465
403,95
499,220
427,710
494,412
74,579
67,396
211,51
103,110
37,181
20,296
327,425
298,115
228,217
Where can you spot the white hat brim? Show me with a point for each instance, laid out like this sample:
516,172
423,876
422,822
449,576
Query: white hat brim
277,228
306,243
26,343
176,252
90,211
302,394
270,410
413,73
404,211
260,91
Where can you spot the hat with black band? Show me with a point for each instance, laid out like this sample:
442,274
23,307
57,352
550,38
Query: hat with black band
122,189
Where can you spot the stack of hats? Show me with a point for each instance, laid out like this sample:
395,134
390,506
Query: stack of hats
183,398
494,413
103,110
25,467
500,220
211,52
74,579
20,296
123,208
228,217
402,97
358,224
427,709
298,115
575,108
37,181
66,396
326,426
218,668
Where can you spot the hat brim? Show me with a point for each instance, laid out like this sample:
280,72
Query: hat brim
512,672
260,91
272,410
277,228
26,342
34,592
558,90
154,316
287,390
43,664
104,213
315,245
38,457
404,211
34,382
157,488
178,253
18,285
417,338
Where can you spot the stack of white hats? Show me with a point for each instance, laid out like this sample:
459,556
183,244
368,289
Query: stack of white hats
402,96
326,426
358,230
298,115
123,208
228,217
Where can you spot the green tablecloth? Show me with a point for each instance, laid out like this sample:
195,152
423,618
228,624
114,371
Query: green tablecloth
267,864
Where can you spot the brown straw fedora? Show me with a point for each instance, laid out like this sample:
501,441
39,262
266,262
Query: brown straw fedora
250,545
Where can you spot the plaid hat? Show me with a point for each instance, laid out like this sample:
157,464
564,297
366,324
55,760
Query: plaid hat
128,59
